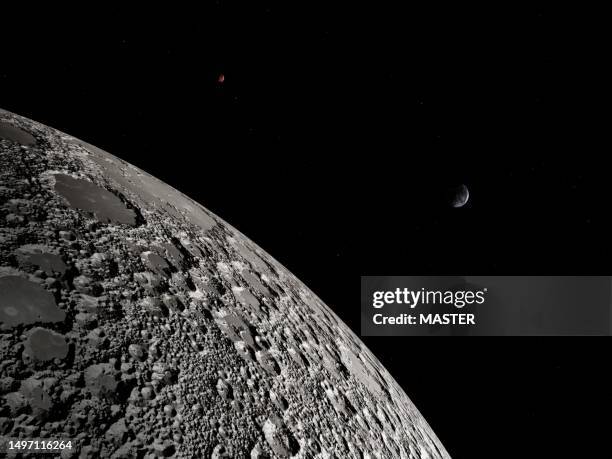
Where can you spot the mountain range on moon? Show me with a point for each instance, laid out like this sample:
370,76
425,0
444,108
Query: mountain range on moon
139,324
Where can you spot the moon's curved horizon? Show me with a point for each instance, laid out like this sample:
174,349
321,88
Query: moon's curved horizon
137,322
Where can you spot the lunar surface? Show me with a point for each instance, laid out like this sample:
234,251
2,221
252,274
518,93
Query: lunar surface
136,323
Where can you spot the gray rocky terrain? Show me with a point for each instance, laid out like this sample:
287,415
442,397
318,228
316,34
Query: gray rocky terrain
139,324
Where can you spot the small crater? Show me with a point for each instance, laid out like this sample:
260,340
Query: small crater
84,195
43,345
280,438
15,134
24,302
41,257
268,362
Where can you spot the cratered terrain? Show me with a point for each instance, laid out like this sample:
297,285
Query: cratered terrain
138,324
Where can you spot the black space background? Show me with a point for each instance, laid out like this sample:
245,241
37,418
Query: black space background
330,143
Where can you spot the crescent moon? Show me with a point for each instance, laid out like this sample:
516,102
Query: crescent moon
461,196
